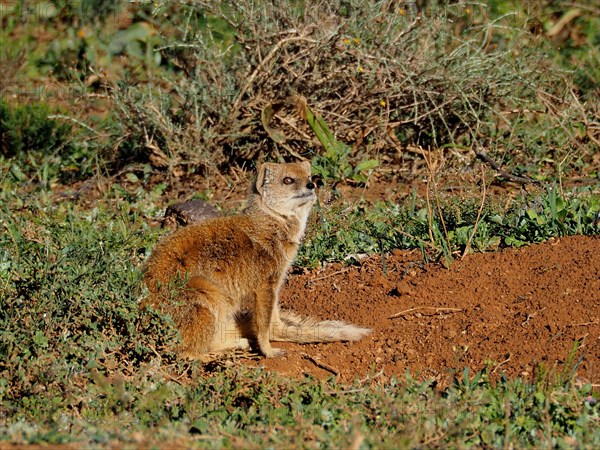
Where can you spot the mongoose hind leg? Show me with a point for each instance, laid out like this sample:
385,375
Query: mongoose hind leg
202,316
228,336
195,323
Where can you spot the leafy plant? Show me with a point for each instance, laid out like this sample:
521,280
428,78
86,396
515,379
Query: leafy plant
28,128
551,215
334,162
341,232
76,56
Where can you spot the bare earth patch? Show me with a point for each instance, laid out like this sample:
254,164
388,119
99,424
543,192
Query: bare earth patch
513,311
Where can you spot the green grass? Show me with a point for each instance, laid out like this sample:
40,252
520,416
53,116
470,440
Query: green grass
251,409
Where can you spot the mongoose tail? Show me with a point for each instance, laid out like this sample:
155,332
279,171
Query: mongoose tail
294,328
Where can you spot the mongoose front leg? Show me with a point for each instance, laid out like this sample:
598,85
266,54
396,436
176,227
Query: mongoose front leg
266,300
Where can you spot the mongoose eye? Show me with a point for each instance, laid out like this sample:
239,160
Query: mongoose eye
288,180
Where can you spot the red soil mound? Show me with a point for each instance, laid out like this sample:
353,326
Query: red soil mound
514,311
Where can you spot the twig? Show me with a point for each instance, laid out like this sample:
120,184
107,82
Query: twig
417,308
329,275
429,208
408,29
583,324
371,377
260,66
425,243
531,316
321,365
483,195
151,347
431,178
507,443
172,378
78,122
517,179
502,363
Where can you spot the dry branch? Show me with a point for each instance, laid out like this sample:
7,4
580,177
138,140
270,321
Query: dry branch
516,178
436,310
322,365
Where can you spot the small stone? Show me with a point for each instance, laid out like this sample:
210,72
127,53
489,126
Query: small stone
192,211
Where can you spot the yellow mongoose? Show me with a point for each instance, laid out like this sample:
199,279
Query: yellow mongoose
220,279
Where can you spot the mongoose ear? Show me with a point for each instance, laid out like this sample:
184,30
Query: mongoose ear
261,178
306,166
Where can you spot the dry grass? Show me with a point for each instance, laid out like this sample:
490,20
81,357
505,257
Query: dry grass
387,81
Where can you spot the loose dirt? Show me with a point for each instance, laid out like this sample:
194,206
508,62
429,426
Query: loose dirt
515,312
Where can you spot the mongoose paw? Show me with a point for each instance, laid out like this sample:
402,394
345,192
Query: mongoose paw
275,353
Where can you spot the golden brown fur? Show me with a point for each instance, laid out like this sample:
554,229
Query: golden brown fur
220,279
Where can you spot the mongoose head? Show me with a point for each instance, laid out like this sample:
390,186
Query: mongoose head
286,189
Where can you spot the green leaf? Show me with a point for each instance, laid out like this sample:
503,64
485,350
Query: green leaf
531,214
40,339
17,173
359,178
265,117
140,31
512,241
321,130
368,164
132,177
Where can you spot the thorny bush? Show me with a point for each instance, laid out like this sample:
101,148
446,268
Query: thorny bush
385,78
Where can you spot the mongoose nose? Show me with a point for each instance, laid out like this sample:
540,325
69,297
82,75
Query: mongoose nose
310,185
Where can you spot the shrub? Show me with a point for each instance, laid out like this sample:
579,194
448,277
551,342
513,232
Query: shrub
383,78
42,145
27,129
